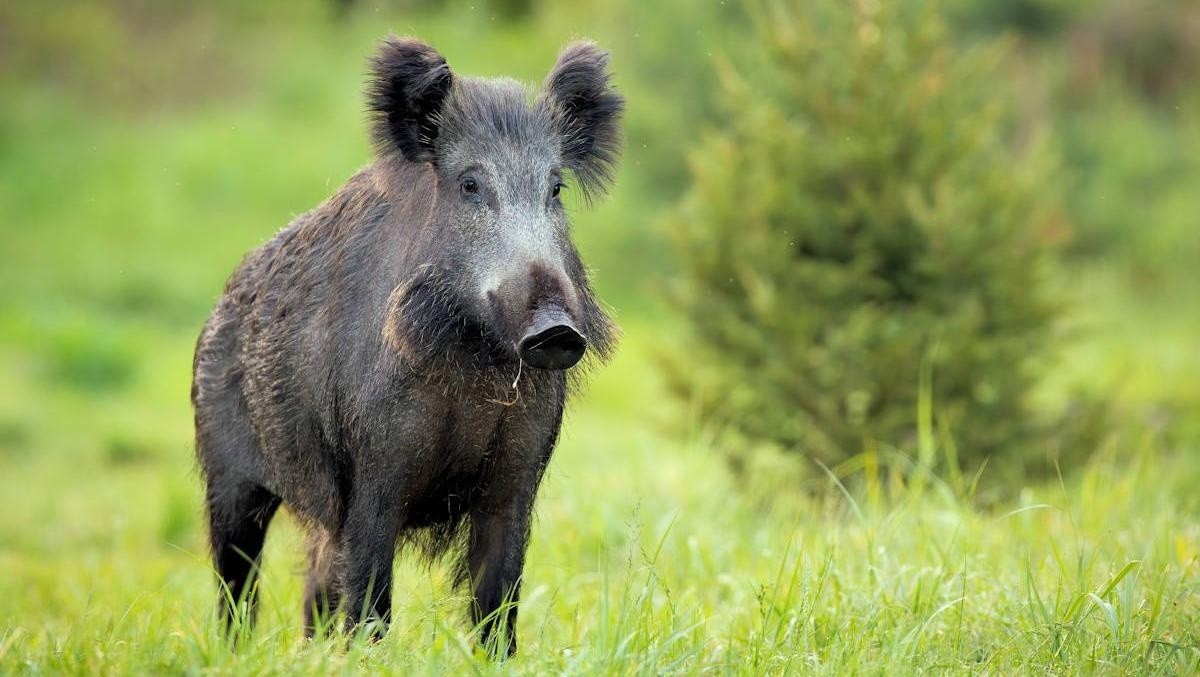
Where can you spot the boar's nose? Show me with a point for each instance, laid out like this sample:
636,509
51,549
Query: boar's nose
551,340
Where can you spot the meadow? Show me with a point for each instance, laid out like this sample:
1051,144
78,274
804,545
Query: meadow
134,174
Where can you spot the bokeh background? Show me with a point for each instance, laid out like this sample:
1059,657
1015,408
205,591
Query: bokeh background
911,309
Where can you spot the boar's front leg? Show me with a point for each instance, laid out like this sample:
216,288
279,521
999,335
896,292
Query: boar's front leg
499,532
368,542
495,558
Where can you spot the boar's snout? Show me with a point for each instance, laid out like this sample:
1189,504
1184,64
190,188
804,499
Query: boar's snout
551,341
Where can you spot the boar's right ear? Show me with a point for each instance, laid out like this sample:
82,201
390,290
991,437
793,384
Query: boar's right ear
409,81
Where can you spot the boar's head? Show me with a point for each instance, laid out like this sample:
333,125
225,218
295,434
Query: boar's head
502,155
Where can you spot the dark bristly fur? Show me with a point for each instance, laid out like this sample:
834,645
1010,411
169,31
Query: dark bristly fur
369,367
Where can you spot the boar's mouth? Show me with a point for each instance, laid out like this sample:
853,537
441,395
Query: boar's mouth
551,341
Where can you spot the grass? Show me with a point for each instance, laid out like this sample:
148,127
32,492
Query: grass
648,556
646,559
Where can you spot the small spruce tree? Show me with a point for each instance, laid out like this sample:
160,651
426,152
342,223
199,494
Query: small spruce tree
858,226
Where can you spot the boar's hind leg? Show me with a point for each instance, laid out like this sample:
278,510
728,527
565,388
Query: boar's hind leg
238,514
321,592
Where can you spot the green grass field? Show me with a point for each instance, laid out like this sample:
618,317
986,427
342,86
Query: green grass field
118,228
646,558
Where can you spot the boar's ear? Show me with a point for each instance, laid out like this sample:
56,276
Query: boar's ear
408,82
588,114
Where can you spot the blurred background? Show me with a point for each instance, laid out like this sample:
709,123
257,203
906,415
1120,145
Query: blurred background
956,239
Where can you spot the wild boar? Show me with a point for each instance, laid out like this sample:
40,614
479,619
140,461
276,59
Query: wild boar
393,365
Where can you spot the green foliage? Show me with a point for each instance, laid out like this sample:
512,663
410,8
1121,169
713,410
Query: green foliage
858,231
1135,172
90,360
1033,17
127,450
14,438
1152,46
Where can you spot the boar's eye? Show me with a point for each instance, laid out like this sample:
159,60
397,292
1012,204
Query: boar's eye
558,186
469,186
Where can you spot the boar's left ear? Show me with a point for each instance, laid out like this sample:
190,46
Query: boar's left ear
408,83
587,113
